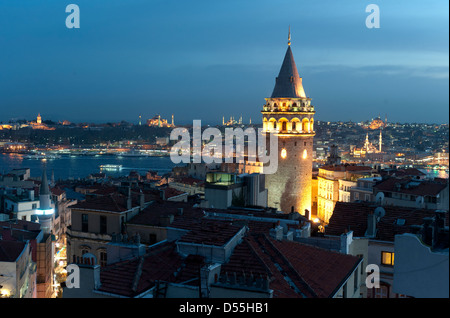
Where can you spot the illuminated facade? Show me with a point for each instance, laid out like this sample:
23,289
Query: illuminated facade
38,124
333,185
289,113
368,147
377,123
157,121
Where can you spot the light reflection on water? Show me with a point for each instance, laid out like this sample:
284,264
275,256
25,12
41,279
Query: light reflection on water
79,167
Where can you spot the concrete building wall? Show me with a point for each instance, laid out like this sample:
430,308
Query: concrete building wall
376,248
420,272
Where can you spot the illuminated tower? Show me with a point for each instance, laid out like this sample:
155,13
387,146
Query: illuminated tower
290,114
173,124
39,119
380,142
367,143
46,210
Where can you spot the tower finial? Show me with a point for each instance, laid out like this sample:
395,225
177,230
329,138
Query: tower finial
289,36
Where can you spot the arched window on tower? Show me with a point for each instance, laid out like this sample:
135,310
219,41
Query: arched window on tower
305,125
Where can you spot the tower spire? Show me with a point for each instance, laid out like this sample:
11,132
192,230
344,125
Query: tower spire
289,36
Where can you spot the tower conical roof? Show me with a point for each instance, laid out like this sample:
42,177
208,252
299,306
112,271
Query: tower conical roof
288,84
44,184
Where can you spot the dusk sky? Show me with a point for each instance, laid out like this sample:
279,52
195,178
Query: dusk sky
207,59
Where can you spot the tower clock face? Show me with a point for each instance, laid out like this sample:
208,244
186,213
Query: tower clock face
283,153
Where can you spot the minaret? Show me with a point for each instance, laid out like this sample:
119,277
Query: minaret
223,120
39,119
366,143
380,142
173,125
289,113
46,210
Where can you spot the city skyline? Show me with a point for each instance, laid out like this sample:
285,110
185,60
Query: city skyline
169,58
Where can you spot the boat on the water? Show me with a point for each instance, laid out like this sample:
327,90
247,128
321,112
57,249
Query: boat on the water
109,167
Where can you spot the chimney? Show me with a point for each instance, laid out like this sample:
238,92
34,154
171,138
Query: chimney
346,240
438,227
97,282
277,232
129,201
427,230
137,239
166,220
371,225
141,200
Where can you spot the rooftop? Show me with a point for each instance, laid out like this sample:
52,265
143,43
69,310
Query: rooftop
112,203
410,186
353,217
162,262
10,250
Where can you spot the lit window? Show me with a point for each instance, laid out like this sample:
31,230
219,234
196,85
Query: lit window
387,258
283,153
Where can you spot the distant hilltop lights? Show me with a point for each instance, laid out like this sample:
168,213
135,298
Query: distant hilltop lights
157,121
232,121
37,124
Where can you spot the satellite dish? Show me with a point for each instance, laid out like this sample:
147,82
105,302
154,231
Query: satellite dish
379,212
379,198
420,201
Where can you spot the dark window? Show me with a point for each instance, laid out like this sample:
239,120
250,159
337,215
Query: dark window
103,258
152,238
102,224
84,222
344,291
284,126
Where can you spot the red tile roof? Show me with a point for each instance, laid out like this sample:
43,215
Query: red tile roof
57,191
409,186
353,217
152,214
135,276
171,192
312,271
191,181
10,250
210,232
346,167
111,203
